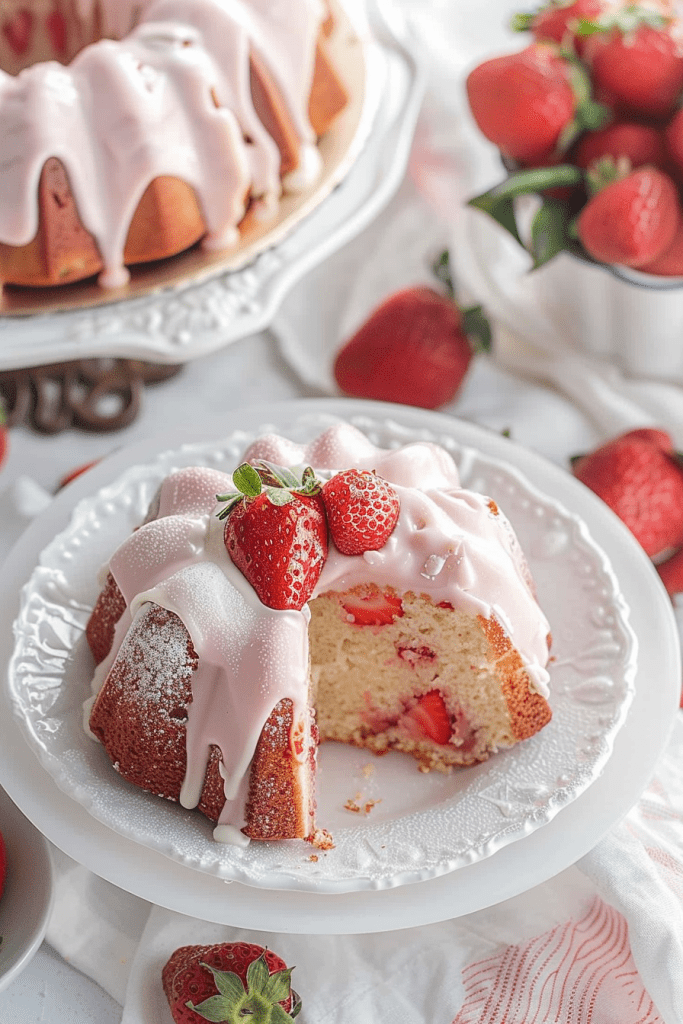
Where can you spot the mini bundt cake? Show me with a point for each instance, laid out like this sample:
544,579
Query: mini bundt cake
134,128
405,619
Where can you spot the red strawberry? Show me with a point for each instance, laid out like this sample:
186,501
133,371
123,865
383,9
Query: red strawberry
558,21
414,349
429,718
523,102
276,537
641,143
3,864
229,981
18,31
633,55
639,476
369,606
362,510
631,221
56,30
670,262
674,140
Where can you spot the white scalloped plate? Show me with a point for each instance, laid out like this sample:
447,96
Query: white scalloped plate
423,826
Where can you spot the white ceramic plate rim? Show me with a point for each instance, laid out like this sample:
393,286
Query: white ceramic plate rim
513,870
484,809
27,900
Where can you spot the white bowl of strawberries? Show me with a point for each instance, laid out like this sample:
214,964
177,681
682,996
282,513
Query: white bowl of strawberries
588,118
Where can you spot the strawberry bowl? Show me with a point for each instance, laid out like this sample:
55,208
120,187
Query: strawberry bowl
572,305
586,252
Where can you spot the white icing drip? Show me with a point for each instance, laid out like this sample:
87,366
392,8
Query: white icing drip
128,111
251,656
307,173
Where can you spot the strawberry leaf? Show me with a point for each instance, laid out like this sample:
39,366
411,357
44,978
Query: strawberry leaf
275,476
278,986
549,232
501,208
498,201
215,1008
309,482
232,500
247,481
475,325
279,495
296,1005
228,983
280,1016
257,975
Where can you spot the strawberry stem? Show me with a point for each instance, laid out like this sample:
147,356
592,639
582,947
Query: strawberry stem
441,267
477,327
522,22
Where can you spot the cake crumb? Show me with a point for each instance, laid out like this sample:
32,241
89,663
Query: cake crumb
359,806
314,858
368,770
322,839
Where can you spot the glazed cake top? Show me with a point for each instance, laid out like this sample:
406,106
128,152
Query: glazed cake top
449,543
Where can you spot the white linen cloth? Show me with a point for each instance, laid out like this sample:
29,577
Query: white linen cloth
603,941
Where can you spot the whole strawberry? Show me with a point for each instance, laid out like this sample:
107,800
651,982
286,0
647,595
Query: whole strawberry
231,982
362,510
634,56
633,219
414,349
523,102
640,477
640,143
276,532
670,262
558,21
674,142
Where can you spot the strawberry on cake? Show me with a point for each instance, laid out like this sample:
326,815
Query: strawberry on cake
329,591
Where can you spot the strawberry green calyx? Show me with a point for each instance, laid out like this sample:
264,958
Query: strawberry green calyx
474,321
259,1001
625,20
441,268
606,171
279,483
589,115
522,22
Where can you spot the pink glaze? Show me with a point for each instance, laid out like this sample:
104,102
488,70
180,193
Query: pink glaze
447,543
128,110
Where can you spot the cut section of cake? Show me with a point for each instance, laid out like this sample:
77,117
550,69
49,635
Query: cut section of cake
427,638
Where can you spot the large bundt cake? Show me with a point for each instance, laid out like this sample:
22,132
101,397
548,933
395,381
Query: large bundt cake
133,128
434,644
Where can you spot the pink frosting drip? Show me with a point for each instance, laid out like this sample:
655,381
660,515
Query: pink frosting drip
126,112
447,543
